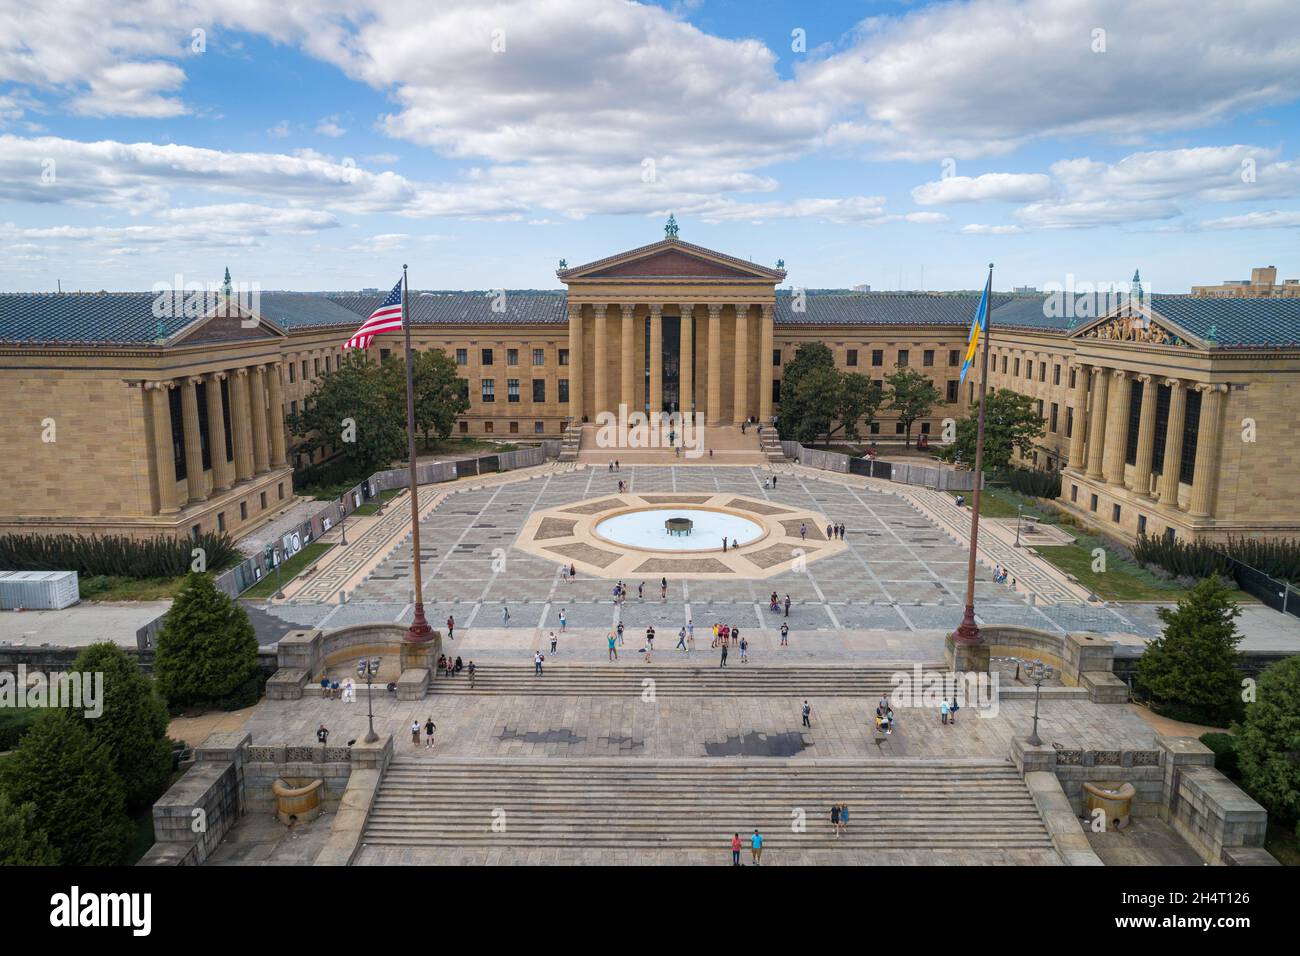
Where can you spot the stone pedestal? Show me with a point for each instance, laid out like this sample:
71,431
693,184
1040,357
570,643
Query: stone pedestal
421,655
964,657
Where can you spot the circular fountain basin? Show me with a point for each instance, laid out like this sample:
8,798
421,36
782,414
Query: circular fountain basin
644,529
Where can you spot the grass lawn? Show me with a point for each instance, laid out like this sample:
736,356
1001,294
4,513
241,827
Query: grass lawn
991,505
111,588
1116,583
289,570
372,506
461,446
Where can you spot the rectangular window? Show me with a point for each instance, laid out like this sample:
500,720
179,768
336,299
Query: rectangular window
221,521
315,365
1029,368
1069,422
953,355
875,428
1074,492
292,370
487,428
514,428
851,358
1134,420
464,388
243,511
486,357
563,387
1191,426
898,428
925,428
1114,513
563,357
927,358
877,357
1040,408
1015,368
1163,395
902,358
1042,371
488,392
776,358
1055,410
512,356
539,390
262,496
776,391
462,356
464,427
539,356
512,390
1092,504
280,488
178,432
225,416
304,370
1073,373
1170,534
539,428
384,353
952,391
1142,524
1056,375
293,409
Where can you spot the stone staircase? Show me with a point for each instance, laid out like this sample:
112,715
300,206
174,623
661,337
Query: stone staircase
770,444
626,678
426,800
570,441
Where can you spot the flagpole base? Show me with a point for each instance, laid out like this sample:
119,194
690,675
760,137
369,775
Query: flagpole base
965,649
419,632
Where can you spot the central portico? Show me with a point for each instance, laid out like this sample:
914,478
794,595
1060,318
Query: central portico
671,327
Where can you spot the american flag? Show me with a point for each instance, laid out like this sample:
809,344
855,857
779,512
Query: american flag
386,317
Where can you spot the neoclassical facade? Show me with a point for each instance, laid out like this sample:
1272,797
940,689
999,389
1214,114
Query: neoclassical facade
1168,415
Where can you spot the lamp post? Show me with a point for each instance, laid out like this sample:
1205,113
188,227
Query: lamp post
343,519
368,670
278,556
1019,509
1037,672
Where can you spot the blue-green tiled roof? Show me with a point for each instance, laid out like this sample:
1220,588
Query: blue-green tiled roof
1234,323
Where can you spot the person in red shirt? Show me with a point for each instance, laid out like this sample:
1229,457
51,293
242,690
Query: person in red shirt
735,850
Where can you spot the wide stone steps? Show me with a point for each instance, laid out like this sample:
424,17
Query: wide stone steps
431,801
628,677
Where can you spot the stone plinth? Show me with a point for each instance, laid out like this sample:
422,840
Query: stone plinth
966,658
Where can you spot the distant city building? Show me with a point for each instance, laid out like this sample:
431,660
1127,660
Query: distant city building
862,288
1024,290
1262,284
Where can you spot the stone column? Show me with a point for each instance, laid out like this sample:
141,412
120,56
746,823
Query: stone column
714,412
275,415
223,471
656,359
1097,420
1207,450
627,349
686,360
164,457
257,408
1146,436
1079,434
765,349
194,479
1173,442
740,410
575,362
600,374
241,424
1117,427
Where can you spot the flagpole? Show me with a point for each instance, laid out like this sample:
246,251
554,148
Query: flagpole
419,631
968,631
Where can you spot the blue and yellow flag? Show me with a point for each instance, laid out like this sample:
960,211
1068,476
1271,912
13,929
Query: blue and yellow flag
977,328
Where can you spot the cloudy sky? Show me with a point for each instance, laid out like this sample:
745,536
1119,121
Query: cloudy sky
320,144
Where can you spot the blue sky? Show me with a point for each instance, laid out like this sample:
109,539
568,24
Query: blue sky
892,144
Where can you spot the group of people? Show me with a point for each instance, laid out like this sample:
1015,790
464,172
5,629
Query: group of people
429,729
613,466
774,605
755,848
999,574
884,716
834,531
333,690
569,573
453,667
839,817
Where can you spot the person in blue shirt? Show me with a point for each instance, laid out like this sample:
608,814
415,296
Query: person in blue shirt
756,846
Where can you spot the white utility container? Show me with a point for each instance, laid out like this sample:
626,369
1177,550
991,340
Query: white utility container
38,590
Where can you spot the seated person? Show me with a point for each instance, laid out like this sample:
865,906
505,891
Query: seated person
460,665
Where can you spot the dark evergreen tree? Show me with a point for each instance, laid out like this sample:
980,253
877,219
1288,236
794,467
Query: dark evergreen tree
207,648
22,842
1268,740
1193,663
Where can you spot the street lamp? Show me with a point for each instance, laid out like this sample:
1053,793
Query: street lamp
368,670
1019,508
1037,672
343,520
278,557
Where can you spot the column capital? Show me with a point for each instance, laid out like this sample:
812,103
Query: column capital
769,309
1145,378
715,309
1175,383
742,308
575,310
1207,388
687,308
629,308
656,309
216,376
1096,370
193,379
162,385
241,372
1119,373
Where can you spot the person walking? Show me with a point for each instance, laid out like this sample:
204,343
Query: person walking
322,735
564,573
451,628
650,639
785,634
429,728
564,619
803,530
844,817
681,640
807,714
787,605
505,616
724,544
470,671
573,572
415,732
640,591
619,629
952,710
756,846
690,635
613,651
943,711
724,654
735,636
537,663
554,640
663,589
735,850
835,818
744,651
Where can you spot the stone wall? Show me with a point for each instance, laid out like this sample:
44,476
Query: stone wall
193,816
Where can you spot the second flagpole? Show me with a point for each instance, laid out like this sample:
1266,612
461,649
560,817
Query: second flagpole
419,632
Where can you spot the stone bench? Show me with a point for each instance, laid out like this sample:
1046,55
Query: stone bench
286,684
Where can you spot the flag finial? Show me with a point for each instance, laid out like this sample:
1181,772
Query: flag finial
670,227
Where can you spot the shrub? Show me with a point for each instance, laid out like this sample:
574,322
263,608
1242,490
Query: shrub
14,723
22,842
1195,559
1038,484
206,649
1268,740
1192,665
1225,753
77,797
114,555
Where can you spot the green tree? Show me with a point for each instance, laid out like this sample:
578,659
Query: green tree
1268,740
133,723
817,399
78,799
435,383
22,842
911,395
353,412
207,648
1011,423
1193,663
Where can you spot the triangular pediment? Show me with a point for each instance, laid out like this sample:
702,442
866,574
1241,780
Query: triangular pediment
1138,324
672,259
227,323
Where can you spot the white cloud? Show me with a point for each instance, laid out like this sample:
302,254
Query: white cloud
979,229
1272,219
990,187
328,126
1101,212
